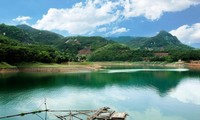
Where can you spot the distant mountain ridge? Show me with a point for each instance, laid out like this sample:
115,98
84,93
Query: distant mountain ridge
41,36
77,43
26,34
23,43
162,41
15,33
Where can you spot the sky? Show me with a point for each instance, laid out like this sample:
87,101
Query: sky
107,17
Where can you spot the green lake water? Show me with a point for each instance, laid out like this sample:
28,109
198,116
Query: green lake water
144,93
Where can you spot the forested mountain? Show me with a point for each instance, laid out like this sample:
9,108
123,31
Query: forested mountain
23,43
120,52
14,51
41,36
15,33
26,44
112,52
77,43
162,41
122,39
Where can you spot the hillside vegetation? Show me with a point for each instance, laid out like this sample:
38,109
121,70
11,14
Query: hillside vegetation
13,51
23,43
41,36
15,33
162,41
77,43
112,52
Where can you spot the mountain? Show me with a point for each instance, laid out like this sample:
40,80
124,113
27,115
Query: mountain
27,34
13,51
15,33
121,39
112,52
41,36
8,41
162,41
77,43
23,43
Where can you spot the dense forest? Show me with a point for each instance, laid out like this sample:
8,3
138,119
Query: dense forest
162,41
23,43
12,51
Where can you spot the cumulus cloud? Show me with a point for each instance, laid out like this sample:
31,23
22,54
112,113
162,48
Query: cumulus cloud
81,18
87,17
187,92
22,19
119,30
103,29
188,34
154,9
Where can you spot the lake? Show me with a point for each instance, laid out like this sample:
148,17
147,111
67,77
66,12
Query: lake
145,93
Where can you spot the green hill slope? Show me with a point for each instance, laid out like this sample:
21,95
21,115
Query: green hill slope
75,44
26,44
15,33
41,36
112,52
162,41
14,51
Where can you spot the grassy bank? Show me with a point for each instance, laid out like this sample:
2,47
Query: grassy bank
54,67
7,68
39,65
80,66
4,65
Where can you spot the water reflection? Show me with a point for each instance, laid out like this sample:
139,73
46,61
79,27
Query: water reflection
187,92
163,82
140,70
153,114
158,95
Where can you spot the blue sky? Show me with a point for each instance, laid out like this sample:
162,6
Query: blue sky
107,17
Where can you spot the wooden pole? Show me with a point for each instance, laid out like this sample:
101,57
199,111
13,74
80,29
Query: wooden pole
45,103
92,117
22,114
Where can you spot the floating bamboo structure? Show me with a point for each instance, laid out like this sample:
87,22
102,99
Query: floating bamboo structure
101,114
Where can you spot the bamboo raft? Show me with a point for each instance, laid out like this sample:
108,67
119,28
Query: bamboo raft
101,114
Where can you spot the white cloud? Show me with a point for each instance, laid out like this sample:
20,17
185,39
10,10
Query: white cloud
81,18
22,19
119,30
187,92
154,9
188,34
103,29
153,114
87,17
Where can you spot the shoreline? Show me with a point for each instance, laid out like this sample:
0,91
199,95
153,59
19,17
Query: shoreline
59,69
52,68
9,70
88,67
